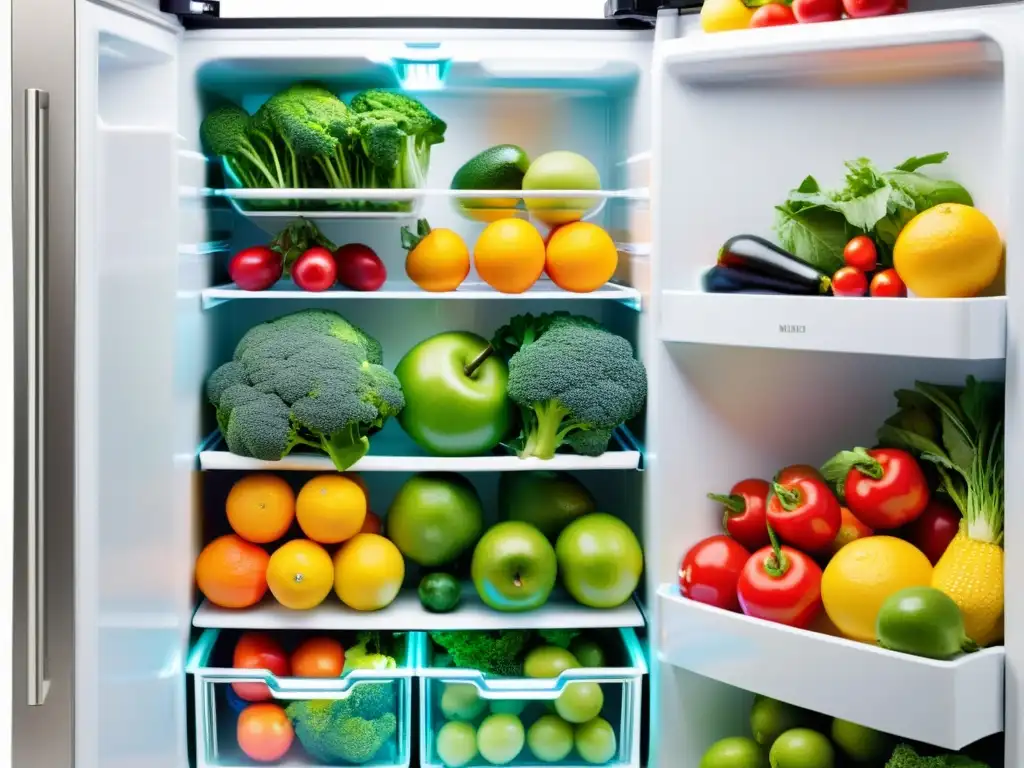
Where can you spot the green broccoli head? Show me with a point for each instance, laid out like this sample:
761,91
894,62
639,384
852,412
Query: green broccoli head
905,756
574,382
331,732
226,132
419,121
304,379
307,116
496,653
396,133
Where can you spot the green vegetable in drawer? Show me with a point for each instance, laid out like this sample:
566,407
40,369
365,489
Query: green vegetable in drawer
501,652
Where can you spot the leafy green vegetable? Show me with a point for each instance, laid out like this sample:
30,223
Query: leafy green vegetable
815,224
500,652
905,756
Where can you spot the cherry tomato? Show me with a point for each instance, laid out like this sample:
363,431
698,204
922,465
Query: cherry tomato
710,570
862,9
256,650
804,511
743,517
795,472
359,267
884,488
782,585
850,529
860,253
315,270
772,15
887,285
256,269
318,657
264,732
934,529
849,281
813,11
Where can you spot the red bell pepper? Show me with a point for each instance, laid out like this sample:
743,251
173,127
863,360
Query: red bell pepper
710,570
780,584
744,515
803,510
884,488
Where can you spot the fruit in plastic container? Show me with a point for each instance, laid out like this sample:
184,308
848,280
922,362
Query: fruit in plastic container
232,573
509,255
579,702
561,170
331,508
581,257
258,650
550,739
462,701
264,732
595,741
507,706
456,744
548,661
261,507
300,574
318,657
500,738
368,572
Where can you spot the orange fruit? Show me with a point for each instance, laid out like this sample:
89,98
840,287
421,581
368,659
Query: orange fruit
261,508
264,732
371,524
319,657
581,257
300,574
368,572
437,260
331,508
232,572
509,255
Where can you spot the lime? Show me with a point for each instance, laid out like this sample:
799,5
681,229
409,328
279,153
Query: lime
860,743
802,748
769,718
734,752
440,592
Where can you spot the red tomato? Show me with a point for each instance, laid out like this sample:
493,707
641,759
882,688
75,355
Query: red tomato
782,585
849,281
256,650
813,11
850,529
795,472
772,15
318,657
900,6
315,270
371,523
743,517
359,267
885,487
804,512
862,9
264,732
710,570
934,529
256,268
888,285
860,253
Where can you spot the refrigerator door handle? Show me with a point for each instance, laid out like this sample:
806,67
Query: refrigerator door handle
37,106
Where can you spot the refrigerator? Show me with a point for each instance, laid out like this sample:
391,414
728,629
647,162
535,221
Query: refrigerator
123,228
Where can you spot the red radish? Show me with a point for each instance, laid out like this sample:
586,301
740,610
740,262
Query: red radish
315,270
256,268
849,281
359,268
888,285
861,254
813,11
862,9
772,15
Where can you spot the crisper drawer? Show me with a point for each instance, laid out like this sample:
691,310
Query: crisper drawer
251,717
468,718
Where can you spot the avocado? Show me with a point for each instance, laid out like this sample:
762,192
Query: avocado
500,167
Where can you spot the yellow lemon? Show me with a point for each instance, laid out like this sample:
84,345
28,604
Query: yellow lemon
860,577
368,572
949,251
724,15
331,508
300,574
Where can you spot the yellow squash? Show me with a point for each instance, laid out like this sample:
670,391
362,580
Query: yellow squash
971,572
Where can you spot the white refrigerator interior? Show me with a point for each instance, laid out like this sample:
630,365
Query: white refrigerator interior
696,139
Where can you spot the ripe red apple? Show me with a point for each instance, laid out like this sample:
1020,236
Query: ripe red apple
862,9
772,15
256,268
315,270
359,268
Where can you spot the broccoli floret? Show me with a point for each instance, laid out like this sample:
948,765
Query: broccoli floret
227,132
559,637
306,379
496,653
573,380
905,756
330,731
397,132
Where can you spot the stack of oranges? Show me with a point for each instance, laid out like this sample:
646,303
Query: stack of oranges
366,571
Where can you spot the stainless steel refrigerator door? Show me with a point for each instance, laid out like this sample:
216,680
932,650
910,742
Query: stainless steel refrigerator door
43,73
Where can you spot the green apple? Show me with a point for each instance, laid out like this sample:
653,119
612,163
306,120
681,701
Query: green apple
500,739
461,701
507,706
588,652
550,739
548,661
560,170
456,744
595,741
434,518
600,560
546,499
580,702
451,408
514,567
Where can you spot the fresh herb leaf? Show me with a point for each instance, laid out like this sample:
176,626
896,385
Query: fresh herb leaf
912,164
813,233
